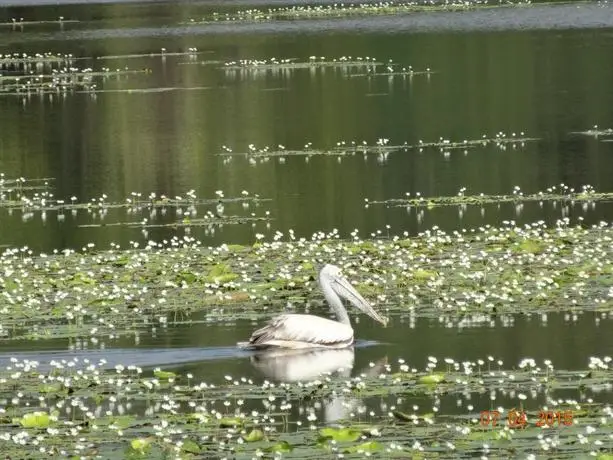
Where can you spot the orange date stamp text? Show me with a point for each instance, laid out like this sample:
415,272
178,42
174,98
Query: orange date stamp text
517,418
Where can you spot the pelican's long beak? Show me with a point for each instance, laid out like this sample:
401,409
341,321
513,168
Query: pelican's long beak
344,289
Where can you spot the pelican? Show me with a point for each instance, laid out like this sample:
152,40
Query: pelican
308,331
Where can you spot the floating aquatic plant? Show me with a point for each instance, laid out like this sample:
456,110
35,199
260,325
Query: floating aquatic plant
17,194
15,61
355,66
35,197
294,64
349,9
47,73
596,132
390,71
21,22
96,292
561,193
191,52
87,408
382,146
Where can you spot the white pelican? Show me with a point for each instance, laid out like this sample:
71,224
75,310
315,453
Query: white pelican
308,331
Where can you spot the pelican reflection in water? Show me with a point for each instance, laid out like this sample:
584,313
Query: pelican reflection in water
287,365
308,331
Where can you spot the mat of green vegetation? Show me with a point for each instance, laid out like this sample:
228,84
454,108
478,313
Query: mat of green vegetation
82,409
509,269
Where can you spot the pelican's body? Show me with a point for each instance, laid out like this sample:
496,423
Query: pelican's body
302,331
308,331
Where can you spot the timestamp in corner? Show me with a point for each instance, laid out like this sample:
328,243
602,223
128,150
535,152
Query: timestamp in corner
516,418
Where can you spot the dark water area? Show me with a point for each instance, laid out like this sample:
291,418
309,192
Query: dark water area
543,70
565,339
546,83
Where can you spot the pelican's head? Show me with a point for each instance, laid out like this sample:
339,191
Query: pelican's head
332,276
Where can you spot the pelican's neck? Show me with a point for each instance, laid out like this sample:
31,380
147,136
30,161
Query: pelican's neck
334,301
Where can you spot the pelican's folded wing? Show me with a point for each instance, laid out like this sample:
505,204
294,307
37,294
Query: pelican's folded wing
302,331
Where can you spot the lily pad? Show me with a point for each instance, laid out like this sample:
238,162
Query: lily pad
254,436
281,446
140,444
221,273
230,422
190,447
369,446
432,379
36,419
163,375
340,434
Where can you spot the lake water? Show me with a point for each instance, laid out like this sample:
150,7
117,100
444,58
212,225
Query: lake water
544,71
